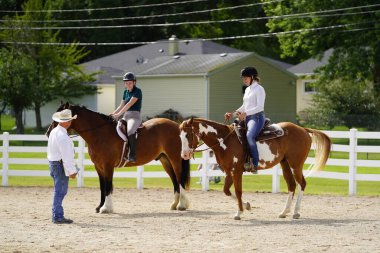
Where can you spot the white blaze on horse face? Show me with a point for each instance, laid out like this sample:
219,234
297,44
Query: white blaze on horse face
207,129
184,142
235,159
265,153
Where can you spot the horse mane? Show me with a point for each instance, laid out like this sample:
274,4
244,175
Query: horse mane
213,122
101,115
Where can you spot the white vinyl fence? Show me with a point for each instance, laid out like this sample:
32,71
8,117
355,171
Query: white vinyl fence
352,163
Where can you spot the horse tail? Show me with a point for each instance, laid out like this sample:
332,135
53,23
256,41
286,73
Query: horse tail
322,149
185,175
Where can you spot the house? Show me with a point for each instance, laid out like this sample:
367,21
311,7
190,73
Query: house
208,85
305,79
200,78
117,64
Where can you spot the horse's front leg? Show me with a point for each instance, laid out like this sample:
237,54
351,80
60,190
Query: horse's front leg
237,179
102,196
106,205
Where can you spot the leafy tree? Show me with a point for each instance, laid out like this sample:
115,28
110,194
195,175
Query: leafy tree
56,73
356,42
16,72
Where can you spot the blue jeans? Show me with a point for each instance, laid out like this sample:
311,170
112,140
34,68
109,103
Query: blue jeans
255,123
61,184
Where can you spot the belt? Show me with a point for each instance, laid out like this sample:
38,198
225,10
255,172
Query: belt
60,161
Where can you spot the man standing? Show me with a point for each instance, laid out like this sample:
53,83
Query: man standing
60,153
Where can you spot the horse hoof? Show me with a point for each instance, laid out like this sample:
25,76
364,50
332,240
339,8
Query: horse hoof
173,208
296,216
237,218
282,215
96,210
248,206
181,208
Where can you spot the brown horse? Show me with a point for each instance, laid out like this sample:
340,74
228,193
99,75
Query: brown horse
158,139
290,150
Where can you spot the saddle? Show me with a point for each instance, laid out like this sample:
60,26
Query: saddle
269,131
121,131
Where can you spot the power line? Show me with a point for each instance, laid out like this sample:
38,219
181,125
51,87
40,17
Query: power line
110,8
164,15
210,39
296,15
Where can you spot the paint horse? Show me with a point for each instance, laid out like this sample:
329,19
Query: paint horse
290,150
158,139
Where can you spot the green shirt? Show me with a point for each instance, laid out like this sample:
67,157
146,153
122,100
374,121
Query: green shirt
135,93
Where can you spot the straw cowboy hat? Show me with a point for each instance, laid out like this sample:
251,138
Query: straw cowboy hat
63,116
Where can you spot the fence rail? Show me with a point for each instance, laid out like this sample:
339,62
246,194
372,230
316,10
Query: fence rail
352,163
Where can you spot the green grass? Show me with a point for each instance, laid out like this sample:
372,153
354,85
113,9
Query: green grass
259,183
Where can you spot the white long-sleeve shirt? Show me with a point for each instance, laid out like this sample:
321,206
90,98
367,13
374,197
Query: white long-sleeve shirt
253,100
61,147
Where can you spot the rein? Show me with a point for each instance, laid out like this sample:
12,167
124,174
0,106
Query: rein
88,130
201,150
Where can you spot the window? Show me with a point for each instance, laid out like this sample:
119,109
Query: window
309,87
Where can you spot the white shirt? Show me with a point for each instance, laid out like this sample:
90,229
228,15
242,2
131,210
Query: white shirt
61,147
253,100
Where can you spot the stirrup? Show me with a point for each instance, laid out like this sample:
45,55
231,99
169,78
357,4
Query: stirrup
249,167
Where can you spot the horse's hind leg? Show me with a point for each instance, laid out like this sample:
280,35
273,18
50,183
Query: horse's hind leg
302,185
288,176
180,202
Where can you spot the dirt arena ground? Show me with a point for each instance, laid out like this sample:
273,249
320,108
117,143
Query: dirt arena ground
142,222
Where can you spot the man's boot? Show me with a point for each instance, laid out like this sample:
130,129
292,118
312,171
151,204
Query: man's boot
132,148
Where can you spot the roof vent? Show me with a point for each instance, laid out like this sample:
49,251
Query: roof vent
173,45
176,57
223,54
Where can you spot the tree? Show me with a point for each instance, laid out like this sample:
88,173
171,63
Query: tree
16,72
56,73
355,39
356,47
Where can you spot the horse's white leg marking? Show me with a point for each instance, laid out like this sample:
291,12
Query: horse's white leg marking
287,206
297,208
237,215
183,201
108,206
175,202
246,206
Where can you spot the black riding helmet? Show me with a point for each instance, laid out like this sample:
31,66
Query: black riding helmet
249,72
129,76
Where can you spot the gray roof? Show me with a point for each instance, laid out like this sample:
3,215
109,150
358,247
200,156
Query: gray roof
147,57
199,64
138,55
308,67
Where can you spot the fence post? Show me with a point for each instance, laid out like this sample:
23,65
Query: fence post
5,158
205,168
140,177
352,163
80,162
275,180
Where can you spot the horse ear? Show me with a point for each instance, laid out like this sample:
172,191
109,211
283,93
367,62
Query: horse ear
191,120
67,105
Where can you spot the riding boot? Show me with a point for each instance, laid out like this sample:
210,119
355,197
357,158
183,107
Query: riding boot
249,167
132,148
